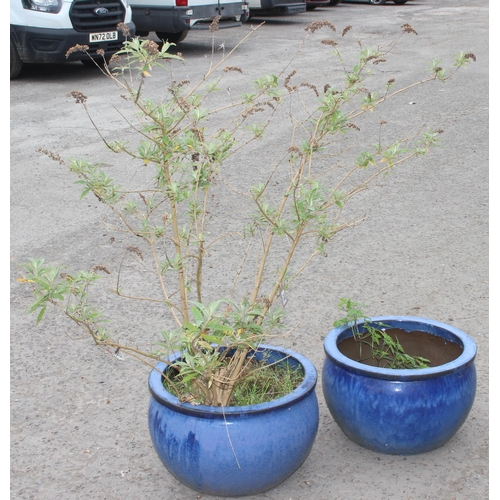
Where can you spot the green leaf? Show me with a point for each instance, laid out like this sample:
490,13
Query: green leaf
40,315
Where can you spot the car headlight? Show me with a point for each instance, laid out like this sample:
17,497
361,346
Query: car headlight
49,6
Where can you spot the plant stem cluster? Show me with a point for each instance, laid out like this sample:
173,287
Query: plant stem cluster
190,147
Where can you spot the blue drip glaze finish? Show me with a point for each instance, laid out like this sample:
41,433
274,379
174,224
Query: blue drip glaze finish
397,411
266,443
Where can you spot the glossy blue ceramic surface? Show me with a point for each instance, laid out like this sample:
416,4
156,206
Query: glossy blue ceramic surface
238,450
401,412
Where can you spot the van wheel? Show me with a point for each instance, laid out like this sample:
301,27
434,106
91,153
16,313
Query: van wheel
172,37
400,2
378,2
15,61
334,2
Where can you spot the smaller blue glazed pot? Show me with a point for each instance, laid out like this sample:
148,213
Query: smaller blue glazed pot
400,411
236,450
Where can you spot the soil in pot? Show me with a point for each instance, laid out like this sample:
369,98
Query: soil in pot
415,343
262,381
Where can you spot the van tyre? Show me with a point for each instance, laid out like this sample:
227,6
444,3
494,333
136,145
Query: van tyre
15,61
172,37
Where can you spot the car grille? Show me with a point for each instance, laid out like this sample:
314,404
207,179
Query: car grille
83,15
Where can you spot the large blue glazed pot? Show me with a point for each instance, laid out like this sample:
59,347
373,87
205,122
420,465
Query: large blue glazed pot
236,450
400,411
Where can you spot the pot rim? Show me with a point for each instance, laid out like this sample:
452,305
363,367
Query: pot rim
164,397
453,334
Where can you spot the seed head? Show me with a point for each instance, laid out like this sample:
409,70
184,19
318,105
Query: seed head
310,86
406,28
98,267
287,82
77,48
123,28
329,41
78,96
150,46
346,29
52,155
135,250
295,150
317,25
214,26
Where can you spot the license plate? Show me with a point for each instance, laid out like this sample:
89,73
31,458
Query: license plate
103,37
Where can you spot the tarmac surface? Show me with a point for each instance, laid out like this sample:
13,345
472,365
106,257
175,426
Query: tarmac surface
78,416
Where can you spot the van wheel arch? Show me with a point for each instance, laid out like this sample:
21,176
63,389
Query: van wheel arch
172,37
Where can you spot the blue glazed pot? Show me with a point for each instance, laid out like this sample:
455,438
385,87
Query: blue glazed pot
236,450
400,411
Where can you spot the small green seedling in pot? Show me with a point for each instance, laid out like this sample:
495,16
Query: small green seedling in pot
373,343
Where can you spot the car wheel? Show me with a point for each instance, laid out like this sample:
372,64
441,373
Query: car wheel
15,61
400,2
310,7
334,2
378,2
172,37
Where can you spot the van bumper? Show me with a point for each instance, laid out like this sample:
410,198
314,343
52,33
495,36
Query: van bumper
171,19
46,45
279,7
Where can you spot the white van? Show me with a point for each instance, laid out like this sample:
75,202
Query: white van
276,7
42,31
171,20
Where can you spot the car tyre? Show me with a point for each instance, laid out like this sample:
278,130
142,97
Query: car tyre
334,2
172,37
400,2
378,2
15,61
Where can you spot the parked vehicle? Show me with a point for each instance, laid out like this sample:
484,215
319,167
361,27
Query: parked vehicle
313,4
42,31
276,7
375,2
172,19
382,2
